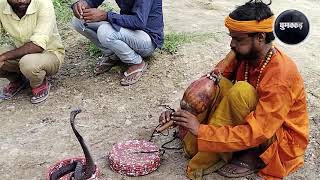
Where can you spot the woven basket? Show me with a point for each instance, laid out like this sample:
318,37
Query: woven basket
134,158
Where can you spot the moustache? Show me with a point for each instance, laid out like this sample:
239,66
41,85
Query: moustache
20,4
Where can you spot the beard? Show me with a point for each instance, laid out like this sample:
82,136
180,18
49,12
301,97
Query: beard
19,7
251,56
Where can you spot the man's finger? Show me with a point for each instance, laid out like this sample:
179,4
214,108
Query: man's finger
88,10
89,20
179,114
180,119
168,115
162,118
79,9
83,7
180,123
87,15
186,114
75,11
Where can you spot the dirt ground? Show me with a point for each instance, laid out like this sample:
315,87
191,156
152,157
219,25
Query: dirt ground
34,137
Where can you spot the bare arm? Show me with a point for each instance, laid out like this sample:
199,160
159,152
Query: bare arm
27,48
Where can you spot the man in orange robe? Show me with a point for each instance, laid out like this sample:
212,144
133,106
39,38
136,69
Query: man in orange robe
264,109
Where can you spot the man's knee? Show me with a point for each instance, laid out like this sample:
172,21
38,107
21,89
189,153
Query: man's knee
242,89
106,33
77,24
243,92
29,64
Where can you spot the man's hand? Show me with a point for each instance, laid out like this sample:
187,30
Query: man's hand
2,59
17,53
78,8
94,15
186,119
165,117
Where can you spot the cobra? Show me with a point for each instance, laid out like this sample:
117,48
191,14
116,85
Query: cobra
79,170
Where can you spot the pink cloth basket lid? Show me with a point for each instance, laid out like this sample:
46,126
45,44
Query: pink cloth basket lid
134,158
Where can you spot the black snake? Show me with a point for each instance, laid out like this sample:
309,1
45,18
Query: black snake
80,171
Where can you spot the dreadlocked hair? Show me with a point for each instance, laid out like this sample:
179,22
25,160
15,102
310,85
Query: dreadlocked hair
254,10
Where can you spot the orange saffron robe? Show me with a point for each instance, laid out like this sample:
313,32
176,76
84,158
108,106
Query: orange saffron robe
281,111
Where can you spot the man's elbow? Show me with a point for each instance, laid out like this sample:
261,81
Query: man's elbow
140,24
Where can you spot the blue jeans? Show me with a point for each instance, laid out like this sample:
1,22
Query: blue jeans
130,46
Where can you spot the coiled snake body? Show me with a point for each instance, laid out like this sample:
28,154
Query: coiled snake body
80,171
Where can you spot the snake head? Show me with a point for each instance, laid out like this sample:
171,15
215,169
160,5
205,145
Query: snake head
73,115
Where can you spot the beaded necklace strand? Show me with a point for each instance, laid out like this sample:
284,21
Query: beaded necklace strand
266,61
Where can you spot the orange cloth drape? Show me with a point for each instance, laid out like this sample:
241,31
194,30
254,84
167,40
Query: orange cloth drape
281,111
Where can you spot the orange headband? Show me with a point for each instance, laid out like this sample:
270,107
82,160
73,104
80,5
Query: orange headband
265,25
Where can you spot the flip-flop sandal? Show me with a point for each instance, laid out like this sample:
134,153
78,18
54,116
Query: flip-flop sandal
140,71
104,65
24,84
230,170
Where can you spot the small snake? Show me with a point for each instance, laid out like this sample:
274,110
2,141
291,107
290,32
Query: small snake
80,171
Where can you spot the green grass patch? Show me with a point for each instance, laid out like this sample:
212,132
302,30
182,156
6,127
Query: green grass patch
93,50
107,6
63,11
5,39
174,40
